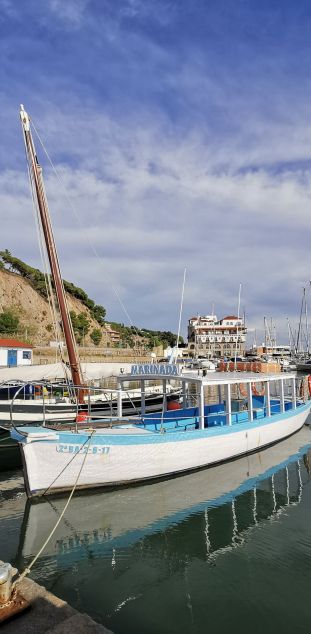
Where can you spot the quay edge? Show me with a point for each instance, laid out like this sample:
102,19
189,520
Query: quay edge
49,614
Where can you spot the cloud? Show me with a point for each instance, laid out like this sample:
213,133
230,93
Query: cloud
71,12
143,207
180,141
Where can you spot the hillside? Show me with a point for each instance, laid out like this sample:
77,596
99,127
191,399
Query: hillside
23,294
35,322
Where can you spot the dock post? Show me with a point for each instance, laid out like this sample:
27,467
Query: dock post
6,574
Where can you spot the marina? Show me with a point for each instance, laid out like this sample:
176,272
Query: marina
155,348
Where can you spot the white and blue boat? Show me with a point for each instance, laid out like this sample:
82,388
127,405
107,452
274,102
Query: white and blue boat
223,416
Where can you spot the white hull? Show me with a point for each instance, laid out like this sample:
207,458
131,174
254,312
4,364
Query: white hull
120,512
125,455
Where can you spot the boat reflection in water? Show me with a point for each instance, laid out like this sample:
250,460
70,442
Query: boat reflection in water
224,503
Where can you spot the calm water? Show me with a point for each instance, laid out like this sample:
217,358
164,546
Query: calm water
225,549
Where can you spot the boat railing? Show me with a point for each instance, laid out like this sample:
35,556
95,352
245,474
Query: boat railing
48,393
179,420
264,402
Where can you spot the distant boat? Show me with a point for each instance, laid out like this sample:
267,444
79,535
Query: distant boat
45,403
304,365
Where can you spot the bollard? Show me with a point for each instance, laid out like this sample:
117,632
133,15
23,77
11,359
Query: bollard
12,602
6,574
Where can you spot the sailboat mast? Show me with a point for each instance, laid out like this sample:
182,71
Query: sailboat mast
300,320
37,181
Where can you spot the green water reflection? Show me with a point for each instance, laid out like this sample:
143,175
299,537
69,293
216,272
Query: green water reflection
224,549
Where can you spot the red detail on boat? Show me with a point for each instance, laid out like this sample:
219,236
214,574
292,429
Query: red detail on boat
82,417
173,405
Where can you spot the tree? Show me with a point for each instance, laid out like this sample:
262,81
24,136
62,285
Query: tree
80,324
9,322
96,336
99,313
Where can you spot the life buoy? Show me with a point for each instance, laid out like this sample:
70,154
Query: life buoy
309,384
171,405
242,389
256,391
37,391
82,417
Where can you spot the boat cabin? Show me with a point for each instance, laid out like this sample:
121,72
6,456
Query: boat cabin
216,399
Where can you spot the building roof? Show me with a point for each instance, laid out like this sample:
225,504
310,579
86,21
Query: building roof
231,317
13,343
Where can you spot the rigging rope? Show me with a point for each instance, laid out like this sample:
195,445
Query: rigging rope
28,569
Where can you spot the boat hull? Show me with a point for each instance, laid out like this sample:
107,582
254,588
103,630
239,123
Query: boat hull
10,456
126,456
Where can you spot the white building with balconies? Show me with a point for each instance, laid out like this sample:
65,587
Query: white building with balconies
212,338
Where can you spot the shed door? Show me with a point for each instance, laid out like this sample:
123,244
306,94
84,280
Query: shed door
12,357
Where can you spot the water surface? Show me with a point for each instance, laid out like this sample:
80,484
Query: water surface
228,548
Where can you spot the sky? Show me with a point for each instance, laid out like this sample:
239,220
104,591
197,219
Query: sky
180,135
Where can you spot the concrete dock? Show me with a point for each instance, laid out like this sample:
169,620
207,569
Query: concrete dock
48,613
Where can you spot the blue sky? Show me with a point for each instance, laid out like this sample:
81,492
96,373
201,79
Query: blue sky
181,130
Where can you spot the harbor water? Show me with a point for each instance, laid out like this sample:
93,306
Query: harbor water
224,549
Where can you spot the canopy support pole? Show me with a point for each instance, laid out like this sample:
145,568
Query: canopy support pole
282,403
228,403
250,402
142,398
267,393
294,401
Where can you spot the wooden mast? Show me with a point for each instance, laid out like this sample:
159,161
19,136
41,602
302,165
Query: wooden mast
37,182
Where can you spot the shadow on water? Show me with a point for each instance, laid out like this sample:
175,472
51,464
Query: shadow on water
172,556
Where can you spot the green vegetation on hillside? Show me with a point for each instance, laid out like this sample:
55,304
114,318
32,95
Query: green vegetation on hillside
154,338
9,322
37,281
131,336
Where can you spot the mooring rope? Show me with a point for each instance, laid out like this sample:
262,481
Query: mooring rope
28,569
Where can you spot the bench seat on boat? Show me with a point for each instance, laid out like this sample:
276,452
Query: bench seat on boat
169,425
239,417
258,413
214,421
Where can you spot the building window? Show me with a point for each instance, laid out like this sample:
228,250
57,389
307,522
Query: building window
26,354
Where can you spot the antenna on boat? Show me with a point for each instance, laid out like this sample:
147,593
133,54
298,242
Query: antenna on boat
300,319
306,318
174,353
181,307
237,328
37,185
